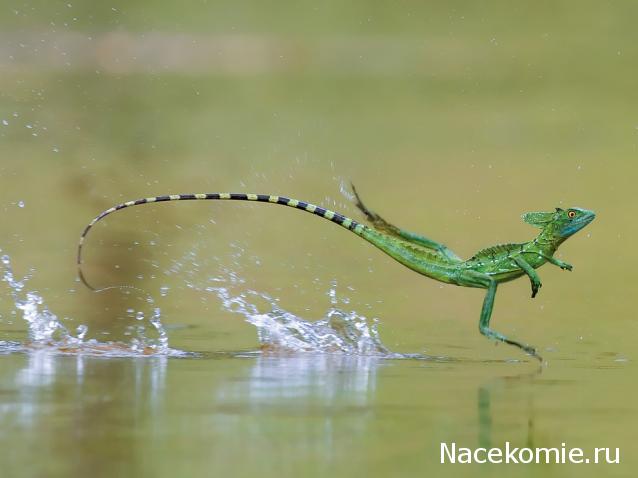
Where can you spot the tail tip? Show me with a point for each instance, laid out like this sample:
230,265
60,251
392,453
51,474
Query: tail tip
83,279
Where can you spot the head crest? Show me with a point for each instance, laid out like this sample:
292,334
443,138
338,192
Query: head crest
538,219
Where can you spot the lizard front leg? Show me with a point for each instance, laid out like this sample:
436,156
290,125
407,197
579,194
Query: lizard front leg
529,270
553,260
558,262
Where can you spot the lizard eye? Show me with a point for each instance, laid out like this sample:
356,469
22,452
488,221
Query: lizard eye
571,214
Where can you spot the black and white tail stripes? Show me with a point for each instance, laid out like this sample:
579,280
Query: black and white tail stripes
335,217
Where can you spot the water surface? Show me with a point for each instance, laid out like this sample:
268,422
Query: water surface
249,339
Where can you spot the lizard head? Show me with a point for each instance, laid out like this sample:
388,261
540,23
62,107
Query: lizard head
562,223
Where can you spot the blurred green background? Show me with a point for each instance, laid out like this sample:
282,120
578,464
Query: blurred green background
451,117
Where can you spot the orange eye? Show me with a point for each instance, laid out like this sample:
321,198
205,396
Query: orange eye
571,214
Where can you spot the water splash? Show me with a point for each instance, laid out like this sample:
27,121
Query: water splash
281,331
46,331
43,325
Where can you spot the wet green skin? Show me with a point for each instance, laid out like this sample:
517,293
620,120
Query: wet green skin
486,269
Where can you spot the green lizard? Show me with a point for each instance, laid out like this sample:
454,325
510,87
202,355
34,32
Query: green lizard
486,269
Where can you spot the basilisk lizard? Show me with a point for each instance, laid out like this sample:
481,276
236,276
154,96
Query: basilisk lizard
485,269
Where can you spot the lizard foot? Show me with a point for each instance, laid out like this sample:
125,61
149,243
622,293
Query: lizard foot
528,349
535,287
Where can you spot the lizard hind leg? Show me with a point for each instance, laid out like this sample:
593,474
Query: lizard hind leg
477,279
377,221
382,225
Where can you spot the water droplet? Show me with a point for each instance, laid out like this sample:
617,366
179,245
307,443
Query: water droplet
81,331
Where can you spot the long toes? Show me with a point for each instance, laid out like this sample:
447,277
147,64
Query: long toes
528,349
356,195
532,351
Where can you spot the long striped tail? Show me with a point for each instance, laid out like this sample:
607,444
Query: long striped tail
335,217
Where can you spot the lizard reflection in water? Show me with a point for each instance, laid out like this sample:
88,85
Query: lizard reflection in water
486,269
